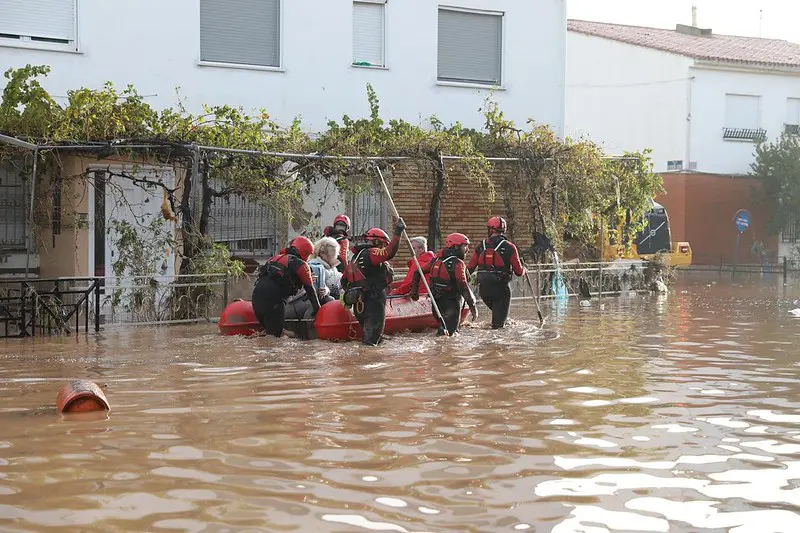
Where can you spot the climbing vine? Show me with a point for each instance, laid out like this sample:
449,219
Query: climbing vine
557,186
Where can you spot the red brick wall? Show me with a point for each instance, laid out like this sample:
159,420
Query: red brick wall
465,208
701,208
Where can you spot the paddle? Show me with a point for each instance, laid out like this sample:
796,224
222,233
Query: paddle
535,297
413,255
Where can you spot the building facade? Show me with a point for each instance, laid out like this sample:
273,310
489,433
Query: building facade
306,59
700,101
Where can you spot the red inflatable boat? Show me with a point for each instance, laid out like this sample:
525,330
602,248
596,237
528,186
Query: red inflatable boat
334,322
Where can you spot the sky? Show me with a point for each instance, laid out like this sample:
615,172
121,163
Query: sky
774,19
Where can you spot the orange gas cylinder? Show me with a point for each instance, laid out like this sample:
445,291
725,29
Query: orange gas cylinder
238,318
81,396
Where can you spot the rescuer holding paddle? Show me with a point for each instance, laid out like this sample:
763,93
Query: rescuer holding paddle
367,277
495,259
281,277
448,281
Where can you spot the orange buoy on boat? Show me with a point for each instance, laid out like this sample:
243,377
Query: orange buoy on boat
81,396
238,318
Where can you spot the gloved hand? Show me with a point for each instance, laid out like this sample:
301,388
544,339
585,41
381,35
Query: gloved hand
473,311
399,227
414,295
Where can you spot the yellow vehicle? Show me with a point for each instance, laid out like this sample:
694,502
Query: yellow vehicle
654,238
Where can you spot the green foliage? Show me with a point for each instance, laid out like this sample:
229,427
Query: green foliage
777,168
562,182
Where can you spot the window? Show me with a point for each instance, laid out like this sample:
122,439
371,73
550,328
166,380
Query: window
743,118
793,116
368,39
470,46
37,21
240,32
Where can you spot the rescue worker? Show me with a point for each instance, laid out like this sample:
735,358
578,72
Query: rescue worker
367,277
340,230
281,277
449,284
496,258
425,258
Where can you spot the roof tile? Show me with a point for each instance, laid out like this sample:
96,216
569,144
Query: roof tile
725,48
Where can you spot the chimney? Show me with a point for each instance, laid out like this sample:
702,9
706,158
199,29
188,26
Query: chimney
693,29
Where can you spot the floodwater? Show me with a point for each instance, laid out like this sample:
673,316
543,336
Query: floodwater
676,413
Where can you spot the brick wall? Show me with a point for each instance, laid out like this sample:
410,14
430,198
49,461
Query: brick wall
701,208
465,208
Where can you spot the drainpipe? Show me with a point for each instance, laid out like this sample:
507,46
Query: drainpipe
689,123
30,213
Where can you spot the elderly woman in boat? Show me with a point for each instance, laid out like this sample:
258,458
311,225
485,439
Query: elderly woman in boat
323,263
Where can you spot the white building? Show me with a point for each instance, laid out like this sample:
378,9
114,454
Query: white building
696,98
294,58
308,58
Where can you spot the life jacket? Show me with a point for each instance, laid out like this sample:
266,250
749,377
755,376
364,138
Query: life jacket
279,269
361,273
495,259
443,275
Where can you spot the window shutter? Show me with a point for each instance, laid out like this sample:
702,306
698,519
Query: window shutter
368,33
793,111
43,19
742,111
245,32
470,47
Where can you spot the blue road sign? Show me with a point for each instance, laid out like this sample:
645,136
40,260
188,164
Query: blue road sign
742,220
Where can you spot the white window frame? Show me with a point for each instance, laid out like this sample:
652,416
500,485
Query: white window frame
28,42
472,85
242,66
385,4
793,121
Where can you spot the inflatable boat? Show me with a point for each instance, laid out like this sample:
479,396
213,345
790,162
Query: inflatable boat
334,322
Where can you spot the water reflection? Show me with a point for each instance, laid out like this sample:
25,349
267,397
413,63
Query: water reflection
655,413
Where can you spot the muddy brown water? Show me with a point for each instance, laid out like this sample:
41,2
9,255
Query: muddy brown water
677,413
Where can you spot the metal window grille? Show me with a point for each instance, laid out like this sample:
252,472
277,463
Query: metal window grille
369,209
744,134
792,129
470,47
245,32
246,228
13,209
791,231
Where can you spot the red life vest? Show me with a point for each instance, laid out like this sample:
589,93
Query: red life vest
360,272
443,275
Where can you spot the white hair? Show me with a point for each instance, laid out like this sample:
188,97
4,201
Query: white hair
326,243
422,241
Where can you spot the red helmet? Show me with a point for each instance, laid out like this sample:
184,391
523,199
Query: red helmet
344,219
497,224
377,234
303,246
455,239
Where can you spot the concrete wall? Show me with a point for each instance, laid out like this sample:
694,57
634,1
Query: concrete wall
712,153
155,45
627,97
701,208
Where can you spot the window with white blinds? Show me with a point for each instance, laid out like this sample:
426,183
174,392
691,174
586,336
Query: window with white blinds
742,111
242,32
368,36
793,111
470,47
50,21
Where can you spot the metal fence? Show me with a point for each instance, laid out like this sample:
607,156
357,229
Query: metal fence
48,306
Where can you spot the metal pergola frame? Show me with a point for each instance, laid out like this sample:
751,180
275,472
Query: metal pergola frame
195,150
